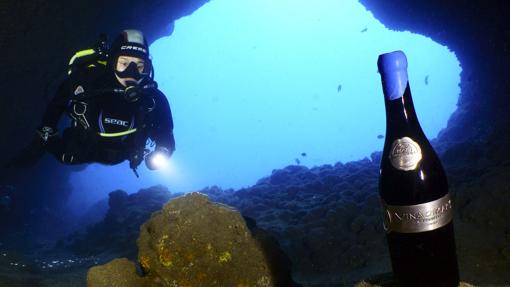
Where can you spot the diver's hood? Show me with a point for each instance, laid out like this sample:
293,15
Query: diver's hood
130,43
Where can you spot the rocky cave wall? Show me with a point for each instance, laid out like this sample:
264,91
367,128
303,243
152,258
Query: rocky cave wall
479,34
38,37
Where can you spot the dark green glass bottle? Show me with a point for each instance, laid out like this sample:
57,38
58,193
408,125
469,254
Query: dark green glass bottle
418,213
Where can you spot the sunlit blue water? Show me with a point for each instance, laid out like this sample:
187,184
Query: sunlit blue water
253,84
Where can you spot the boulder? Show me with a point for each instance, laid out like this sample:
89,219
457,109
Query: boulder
116,273
194,242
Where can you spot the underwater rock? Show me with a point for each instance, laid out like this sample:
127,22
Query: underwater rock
194,242
94,214
116,273
280,177
117,199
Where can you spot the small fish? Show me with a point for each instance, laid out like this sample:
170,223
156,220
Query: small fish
339,88
364,30
380,136
298,162
303,154
426,79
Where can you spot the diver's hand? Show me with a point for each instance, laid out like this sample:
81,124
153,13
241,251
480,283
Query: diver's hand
46,134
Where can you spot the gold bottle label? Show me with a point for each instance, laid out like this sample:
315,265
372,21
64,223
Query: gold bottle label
405,154
418,218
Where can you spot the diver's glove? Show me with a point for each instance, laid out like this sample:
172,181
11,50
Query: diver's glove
46,134
158,158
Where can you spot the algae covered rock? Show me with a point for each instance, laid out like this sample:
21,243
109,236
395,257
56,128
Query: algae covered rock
194,242
116,273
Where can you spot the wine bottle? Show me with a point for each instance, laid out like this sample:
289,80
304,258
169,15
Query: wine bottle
418,213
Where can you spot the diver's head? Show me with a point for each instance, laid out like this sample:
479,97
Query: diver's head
129,69
130,58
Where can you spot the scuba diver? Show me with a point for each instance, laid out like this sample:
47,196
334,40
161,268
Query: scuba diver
114,105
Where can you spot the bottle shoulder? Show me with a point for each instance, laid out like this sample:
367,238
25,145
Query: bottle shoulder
424,182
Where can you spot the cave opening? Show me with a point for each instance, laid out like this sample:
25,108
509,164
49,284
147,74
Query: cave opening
257,85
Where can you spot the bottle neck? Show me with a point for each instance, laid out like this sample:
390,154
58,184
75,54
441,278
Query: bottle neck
400,112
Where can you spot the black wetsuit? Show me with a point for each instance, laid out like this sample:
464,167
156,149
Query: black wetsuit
105,127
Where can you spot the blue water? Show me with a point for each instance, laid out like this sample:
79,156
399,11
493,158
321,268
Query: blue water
253,84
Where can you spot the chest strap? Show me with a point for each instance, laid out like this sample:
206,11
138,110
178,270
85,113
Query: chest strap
112,135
